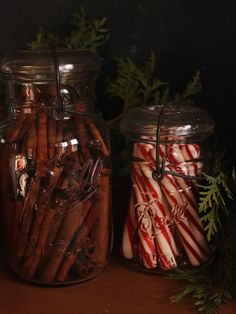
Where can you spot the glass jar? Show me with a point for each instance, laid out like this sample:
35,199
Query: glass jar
55,168
168,149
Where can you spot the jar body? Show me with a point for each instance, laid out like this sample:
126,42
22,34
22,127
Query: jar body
162,228
55,190
56,198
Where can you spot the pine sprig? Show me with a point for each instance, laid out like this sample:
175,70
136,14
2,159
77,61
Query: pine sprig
138,85
203,286
215,283
213,197
88,34
197,287
125,86
148,84
193,87
43,40
134,84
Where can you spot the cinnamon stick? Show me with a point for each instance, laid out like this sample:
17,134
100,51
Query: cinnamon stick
98,137
79,241
16,223
16,129
73,219
51,137
84,266
59,132
31,140
42,149
83,137
31,264
101,231
27,216
43,213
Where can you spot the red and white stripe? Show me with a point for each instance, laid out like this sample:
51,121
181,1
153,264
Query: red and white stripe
174,155
160,217
184,166
146,244
128,240
190,151
156,204
162,152
189,226
184,188
159,211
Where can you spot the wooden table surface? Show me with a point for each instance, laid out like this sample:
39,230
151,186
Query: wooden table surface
118,290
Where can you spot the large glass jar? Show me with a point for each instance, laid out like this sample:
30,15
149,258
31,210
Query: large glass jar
168,150
55,168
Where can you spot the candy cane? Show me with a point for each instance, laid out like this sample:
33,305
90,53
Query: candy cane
174,155
164,238
180,166
191,154
190,151
184,186
179,196
128,245
144,227
165,254
192,239
162,152
194,168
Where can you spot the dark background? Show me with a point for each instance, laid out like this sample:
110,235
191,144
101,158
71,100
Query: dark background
186,35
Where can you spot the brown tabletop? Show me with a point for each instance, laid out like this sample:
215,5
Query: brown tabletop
118,290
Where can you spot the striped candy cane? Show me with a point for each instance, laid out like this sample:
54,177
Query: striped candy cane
128,241
144,230
165,242
191,233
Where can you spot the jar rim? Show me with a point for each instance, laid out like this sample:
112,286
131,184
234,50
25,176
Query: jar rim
38,65
181,123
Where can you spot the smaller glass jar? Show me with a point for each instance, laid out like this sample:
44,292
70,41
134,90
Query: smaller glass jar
55,169
168,149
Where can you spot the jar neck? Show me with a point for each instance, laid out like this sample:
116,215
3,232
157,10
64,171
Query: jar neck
31,97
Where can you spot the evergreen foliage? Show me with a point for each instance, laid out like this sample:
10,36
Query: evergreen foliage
138,85
88,34
214,283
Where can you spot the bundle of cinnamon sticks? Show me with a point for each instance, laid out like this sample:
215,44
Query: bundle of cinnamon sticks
57,198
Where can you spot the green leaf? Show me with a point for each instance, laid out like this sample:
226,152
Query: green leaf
193,87
88,34
213,197
43,40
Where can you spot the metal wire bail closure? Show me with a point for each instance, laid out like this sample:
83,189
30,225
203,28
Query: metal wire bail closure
160,171
60,111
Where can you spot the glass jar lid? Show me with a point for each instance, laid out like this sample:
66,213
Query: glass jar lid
179,124
38,66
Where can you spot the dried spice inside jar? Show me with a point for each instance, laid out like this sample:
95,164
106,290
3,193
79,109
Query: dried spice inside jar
163,228
55,186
